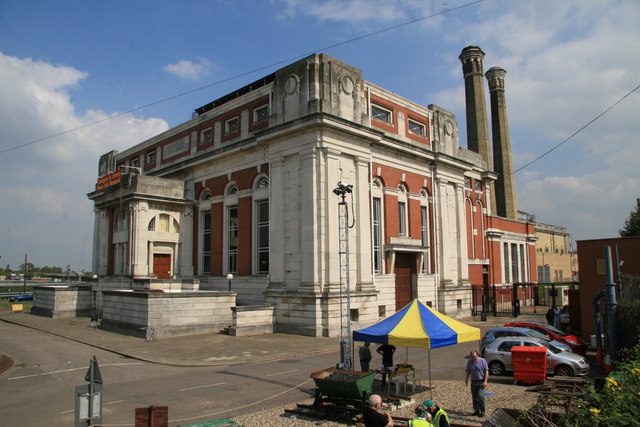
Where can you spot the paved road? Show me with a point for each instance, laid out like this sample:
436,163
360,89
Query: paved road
237,380
48,368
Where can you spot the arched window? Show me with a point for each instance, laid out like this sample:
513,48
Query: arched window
206,195
233,189
262,183
152,224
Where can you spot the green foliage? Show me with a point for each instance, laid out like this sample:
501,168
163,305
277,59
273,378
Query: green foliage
618,403
628,320
632,224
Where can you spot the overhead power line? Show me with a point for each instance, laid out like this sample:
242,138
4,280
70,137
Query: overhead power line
236,76
576,132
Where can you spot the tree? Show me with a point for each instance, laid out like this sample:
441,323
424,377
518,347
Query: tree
632,224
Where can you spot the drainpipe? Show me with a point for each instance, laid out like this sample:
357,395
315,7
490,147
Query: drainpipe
596,319
434,188
611,305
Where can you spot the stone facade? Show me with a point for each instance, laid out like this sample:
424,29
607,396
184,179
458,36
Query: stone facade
246,187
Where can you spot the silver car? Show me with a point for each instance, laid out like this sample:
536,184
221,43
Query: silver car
511,331
564,363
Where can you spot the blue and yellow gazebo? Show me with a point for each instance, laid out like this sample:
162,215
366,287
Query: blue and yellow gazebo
418,325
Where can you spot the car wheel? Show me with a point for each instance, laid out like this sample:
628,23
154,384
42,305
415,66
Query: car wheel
564,371
496,368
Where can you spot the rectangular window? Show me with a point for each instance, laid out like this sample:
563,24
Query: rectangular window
522,266
261,113
424,228
135,163
382,311
547,274
540,274
402,220
467,182
382,114
505,250
206,242
478,185
377,235
163,224
151,157
232,239
416,128
206,136
515,263
262,236
231,125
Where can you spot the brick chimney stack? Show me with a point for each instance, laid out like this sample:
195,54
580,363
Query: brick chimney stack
477,123
505,187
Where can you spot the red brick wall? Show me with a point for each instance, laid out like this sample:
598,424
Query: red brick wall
592,280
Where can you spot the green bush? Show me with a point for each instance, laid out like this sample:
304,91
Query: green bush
618,402
628,320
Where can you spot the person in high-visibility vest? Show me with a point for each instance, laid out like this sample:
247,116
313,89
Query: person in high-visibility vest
424,417
439,417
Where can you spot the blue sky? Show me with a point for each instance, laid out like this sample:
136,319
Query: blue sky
67,64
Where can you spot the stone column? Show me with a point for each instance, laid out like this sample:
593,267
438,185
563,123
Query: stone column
505,186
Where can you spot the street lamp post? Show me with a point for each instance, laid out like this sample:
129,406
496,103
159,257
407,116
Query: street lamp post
229,277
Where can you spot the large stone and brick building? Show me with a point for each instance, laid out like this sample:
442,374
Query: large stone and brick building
245,188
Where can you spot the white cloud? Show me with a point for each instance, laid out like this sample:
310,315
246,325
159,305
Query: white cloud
43,186
189,70
566,63
358,11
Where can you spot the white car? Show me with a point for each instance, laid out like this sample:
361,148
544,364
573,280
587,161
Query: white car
564,363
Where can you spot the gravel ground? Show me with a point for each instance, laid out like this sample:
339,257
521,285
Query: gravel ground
453,396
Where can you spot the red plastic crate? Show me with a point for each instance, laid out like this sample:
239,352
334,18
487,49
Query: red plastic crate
529,364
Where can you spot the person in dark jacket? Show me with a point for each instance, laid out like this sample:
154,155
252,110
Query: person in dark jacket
550,316
373,418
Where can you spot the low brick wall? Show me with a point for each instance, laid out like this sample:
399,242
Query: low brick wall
252,320
60,302
168,313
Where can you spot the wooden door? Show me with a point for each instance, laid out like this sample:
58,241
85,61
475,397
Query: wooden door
404,269
162,265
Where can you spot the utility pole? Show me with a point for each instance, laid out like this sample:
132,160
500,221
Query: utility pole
24,290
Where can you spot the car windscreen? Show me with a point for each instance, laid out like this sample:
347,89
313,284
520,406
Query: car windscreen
552,348
555,331
536,334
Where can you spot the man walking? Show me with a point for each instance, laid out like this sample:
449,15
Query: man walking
478,370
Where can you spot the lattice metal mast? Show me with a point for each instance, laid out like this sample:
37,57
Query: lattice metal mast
346,360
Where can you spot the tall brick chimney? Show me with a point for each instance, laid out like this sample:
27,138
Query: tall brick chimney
477,123
505,194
